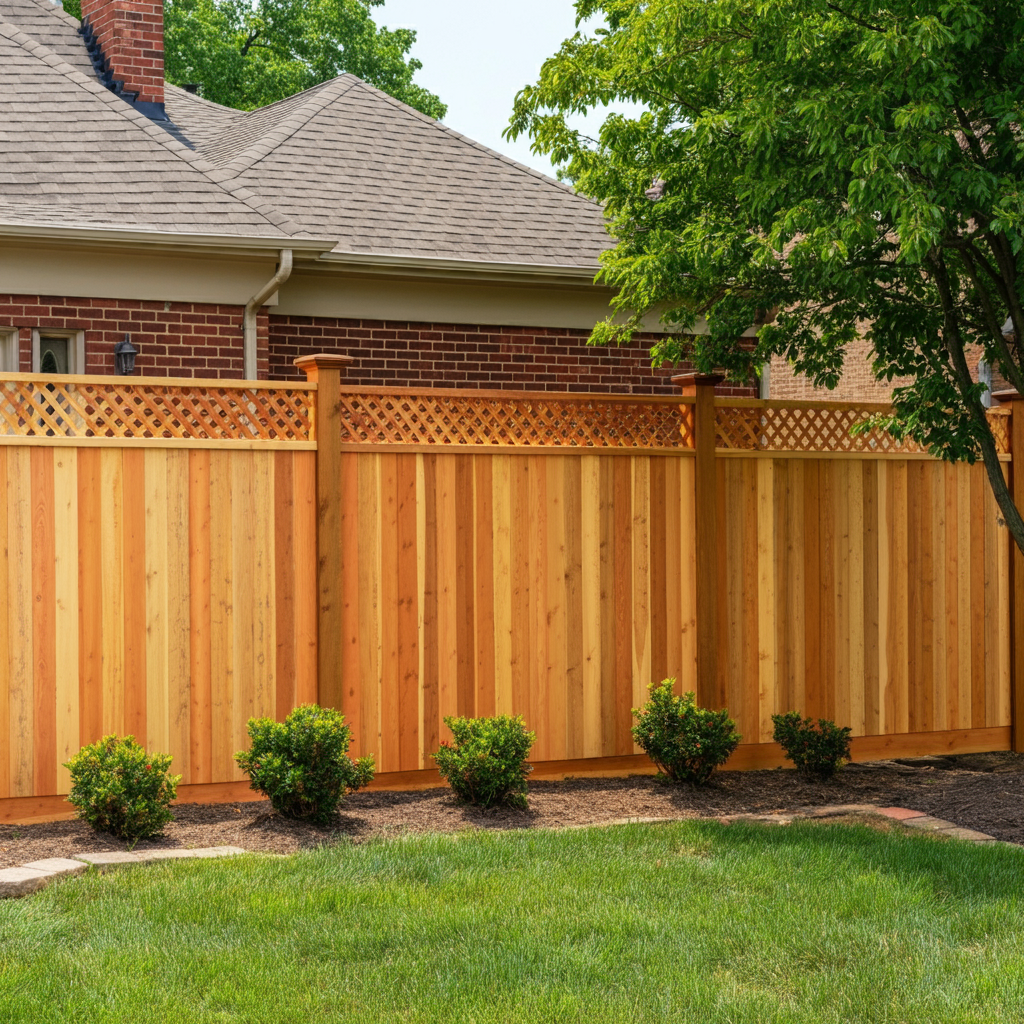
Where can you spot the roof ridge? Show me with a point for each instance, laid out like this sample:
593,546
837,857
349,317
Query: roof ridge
473,144
151,129
321,95
58,11
193,96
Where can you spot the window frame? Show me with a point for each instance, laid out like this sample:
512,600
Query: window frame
76,349
10,350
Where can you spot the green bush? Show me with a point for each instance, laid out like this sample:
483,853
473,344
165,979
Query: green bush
118,788
486,765
819,750
302,765
685,741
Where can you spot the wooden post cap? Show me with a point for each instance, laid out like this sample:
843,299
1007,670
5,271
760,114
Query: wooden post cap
323,360
1007,396
698,380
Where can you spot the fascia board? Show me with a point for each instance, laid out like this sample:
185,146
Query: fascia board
90,236
421,266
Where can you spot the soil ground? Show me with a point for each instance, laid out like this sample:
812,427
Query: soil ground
979,791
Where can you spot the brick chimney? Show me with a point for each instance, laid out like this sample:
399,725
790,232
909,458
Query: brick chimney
126,42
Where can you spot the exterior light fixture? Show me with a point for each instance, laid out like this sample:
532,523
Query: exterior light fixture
124,357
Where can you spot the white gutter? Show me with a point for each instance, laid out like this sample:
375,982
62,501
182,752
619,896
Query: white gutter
434,266
252,308
310,248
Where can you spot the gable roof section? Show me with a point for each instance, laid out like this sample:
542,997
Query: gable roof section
342,161
46,23
347,160
72,152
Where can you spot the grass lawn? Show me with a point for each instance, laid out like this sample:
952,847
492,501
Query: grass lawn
677,921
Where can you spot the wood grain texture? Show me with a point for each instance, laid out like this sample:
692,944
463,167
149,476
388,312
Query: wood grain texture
176,592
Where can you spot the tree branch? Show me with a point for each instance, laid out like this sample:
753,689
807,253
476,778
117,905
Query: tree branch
954,344
254,34
854,18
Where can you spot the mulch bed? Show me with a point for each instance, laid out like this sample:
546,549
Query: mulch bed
978,791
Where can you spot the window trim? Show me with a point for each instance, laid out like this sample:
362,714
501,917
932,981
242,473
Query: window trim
10,354
76,348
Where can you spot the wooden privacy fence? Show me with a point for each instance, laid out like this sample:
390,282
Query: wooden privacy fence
552,555
177,556
157,572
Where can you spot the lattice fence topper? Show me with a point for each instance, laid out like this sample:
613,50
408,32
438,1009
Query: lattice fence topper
820,429
139,410
513,420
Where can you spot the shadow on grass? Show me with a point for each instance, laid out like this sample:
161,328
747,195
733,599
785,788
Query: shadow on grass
952,867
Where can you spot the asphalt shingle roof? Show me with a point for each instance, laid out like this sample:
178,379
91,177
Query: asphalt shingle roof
342,160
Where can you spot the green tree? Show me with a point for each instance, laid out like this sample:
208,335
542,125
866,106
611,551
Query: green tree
248,53
843,166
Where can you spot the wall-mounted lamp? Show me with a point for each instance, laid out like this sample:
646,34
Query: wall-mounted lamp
124,357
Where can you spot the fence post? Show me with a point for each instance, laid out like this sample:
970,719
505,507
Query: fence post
326,371
1016,576
702,387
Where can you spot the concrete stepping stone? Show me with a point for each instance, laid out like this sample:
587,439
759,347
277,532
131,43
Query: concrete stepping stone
928,823
58,866
106,861
16,882
120,858
30,878
203,853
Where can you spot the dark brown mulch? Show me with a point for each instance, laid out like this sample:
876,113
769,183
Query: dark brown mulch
979,791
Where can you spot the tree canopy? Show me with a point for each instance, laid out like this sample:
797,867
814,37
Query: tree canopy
834,168
248,53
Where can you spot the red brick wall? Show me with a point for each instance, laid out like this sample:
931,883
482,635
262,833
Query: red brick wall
858,383
177,339
399,354
131,35
174,339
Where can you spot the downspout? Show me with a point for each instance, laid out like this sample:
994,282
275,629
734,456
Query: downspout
252,308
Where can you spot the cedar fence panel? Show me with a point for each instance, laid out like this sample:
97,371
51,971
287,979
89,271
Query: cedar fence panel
150,585
512,584
176,556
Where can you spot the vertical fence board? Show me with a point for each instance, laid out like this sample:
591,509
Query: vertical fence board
5,637
21,675
44,636
200,622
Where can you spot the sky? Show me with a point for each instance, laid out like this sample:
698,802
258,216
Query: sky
477,54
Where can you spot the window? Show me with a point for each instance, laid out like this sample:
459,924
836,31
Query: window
9,350
56,351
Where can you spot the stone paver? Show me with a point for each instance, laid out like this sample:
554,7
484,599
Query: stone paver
899,813
22,881
58,866
106,861
29,878
928,823
834,810
203,853
967,833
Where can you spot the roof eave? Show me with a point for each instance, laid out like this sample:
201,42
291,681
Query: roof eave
93,235
425,266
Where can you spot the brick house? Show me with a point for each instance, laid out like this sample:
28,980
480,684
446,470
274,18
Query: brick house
225,243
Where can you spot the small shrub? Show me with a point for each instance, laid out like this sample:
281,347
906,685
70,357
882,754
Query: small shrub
486,765
301,764
685,741
819,750
118,788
